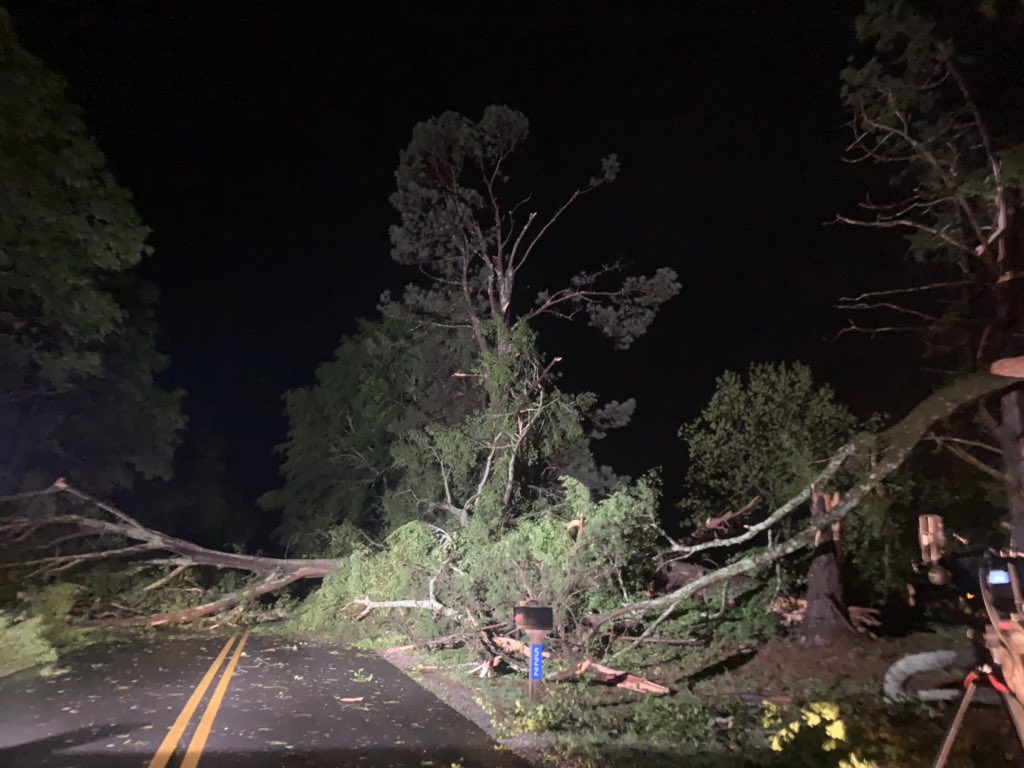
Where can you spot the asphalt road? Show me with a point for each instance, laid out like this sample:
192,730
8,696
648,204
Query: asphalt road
245,701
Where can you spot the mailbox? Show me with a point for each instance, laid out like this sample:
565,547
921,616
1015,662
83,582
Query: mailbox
534,617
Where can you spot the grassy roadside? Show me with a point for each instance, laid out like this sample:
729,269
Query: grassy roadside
781,706
584,725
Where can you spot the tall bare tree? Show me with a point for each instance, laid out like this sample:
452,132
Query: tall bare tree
926,114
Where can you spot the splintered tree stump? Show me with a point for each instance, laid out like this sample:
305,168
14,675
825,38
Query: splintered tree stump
826,618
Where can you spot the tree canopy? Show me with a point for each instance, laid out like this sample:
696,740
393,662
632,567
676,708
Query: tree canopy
765,435
79,390
446,406
929,115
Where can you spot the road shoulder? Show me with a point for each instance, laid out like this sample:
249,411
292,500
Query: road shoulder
463,699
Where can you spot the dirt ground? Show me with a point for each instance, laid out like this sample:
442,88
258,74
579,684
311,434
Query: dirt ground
857,660
784,671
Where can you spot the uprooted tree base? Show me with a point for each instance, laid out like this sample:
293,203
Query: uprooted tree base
48,533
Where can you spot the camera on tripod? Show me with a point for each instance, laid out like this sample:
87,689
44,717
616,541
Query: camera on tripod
989,584
992,588
1000,587
1002,578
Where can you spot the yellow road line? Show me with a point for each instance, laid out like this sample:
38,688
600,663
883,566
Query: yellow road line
195,747
166,749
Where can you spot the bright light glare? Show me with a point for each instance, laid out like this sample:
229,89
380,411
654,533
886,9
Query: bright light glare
999,577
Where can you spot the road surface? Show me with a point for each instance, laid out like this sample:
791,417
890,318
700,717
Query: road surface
240,700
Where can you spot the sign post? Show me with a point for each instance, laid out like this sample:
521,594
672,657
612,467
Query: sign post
536,621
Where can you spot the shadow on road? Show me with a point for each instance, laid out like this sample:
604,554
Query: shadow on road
58,751
53,751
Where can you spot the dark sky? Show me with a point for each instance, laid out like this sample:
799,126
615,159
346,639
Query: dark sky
260,140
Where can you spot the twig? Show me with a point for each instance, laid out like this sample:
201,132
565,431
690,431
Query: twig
168,577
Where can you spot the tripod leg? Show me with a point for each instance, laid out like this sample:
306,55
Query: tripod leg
947,744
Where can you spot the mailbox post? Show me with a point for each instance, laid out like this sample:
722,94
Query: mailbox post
536,621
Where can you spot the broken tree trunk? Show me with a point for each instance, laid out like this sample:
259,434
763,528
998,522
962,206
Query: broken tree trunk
826,617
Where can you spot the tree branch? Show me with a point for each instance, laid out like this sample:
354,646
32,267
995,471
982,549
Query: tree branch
896,444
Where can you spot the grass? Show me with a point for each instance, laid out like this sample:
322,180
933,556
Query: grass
585,724
714,716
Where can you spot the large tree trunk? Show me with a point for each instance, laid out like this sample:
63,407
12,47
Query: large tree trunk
826,617
1010,436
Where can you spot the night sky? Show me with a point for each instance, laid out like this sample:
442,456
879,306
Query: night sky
260,141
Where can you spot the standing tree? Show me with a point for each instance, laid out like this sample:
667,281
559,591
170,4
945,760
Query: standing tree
472,245
387,379
764,437
78,366
936,119
446,406
758,443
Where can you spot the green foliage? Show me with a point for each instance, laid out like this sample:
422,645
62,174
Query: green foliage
34,634
490,567
446,410
608,563
769,435
750,619
454,226
766,435
924,103
556,713
686,719
908,736
865,734
78,366
102,585
24,642
400,569
879,541
386,381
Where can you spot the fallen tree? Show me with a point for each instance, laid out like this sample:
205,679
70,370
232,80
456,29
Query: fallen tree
886,450
40,532
118,535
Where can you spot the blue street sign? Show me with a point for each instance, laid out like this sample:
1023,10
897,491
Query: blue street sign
536,661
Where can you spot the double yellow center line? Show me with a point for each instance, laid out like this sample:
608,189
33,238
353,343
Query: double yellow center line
195,748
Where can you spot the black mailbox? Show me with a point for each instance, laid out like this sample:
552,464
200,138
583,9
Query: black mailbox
534,617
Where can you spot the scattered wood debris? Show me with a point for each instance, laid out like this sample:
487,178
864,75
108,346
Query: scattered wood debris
619,678
486,669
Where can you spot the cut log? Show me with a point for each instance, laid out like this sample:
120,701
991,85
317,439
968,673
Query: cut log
619,678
